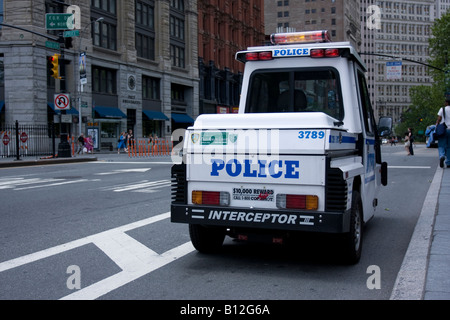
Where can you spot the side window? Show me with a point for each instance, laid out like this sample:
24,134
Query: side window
369,121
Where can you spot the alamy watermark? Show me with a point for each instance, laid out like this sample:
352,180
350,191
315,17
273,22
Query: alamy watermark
374,280
374,19
74,280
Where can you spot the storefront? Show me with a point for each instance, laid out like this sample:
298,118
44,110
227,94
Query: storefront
107,126
153,123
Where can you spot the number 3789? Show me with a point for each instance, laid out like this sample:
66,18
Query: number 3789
311,134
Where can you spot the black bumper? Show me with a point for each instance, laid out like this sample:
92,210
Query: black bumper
292,220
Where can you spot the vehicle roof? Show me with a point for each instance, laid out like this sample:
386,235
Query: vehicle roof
325,45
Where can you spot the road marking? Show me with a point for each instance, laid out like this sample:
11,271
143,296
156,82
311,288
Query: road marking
39,183
409,167
120,279
53,184
141,186
134,258
142,170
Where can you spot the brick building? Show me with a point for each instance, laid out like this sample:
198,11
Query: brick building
225,27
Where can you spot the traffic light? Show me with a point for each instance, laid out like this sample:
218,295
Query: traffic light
54,71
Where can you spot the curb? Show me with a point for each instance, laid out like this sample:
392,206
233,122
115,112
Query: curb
411,278
39,162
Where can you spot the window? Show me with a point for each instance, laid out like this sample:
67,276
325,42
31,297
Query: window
145,14
369,121
104,80
301,90
145,46
150,88
145,29
177,54
177,33
104,33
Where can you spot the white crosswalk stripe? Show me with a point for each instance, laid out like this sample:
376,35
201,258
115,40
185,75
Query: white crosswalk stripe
33,183
144,186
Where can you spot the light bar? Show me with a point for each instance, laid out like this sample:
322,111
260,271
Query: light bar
300,37
297,201
211,198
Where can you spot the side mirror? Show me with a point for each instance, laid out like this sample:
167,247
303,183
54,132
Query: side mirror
385,126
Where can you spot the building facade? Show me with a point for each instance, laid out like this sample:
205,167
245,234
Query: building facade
225,27
341,18
134,65
403,32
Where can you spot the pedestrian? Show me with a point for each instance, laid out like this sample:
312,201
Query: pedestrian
444,142
122,143
407,143
411,141
393,141
130,140
89,143
80,142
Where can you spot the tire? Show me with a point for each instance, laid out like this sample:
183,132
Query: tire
352,241
206,239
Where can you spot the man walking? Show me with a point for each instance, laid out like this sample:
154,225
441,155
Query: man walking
444,142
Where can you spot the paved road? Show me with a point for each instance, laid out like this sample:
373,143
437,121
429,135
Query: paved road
101,230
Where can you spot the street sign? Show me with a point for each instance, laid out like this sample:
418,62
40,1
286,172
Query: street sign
52,45
62,101
394,70
66,118
5,139
23,137
59,21
71,33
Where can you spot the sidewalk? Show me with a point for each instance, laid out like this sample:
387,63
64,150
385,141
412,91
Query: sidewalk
424,271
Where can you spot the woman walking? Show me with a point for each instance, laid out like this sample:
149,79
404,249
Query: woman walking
122,143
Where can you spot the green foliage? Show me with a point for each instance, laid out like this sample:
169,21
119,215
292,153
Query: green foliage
425,104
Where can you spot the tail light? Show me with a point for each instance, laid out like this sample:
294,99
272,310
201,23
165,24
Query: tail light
325,53
297,201
258,56
211,198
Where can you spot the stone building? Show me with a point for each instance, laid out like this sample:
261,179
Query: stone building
139,71
340,18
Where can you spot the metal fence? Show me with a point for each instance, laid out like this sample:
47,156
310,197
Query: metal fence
26,140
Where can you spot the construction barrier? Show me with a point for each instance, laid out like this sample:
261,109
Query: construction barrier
149,148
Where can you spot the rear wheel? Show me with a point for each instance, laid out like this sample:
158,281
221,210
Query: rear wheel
206,239
352,240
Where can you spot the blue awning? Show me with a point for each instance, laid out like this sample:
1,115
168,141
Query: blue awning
155,115
109,112
182,118
71,111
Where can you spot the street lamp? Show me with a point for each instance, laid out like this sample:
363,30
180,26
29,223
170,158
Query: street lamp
79,86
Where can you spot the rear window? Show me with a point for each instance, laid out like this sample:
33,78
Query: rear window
298,90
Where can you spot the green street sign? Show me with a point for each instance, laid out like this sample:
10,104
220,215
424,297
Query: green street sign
59,21
71,33
52,45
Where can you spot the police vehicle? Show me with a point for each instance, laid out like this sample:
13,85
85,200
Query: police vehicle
302,155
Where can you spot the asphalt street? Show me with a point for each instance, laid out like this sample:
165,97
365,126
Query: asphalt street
118,227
